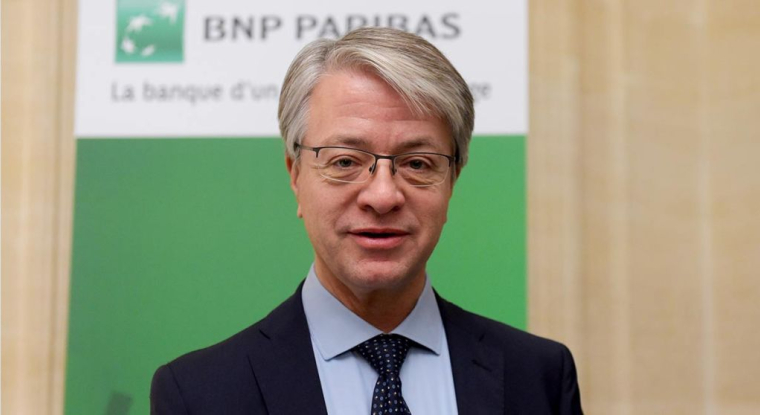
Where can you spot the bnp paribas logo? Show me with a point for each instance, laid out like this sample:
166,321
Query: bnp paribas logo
150,30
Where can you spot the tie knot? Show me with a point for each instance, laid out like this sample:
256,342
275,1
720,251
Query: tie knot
385,352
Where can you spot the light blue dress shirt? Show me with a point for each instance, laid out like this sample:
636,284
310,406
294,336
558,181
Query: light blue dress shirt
348,380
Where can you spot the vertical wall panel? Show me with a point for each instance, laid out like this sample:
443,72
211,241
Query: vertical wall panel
732,88
663,70
666,186
37,172
604,182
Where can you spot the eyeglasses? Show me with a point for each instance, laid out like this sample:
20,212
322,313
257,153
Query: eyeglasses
351,165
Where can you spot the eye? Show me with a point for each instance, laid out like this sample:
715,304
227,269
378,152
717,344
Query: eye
344,163
417,164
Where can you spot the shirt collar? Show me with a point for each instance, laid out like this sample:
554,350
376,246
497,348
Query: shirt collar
335,329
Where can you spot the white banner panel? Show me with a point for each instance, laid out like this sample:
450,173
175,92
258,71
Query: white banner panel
174,68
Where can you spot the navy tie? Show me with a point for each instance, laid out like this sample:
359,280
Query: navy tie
386,354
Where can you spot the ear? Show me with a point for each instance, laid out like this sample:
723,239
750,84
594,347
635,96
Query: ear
293,171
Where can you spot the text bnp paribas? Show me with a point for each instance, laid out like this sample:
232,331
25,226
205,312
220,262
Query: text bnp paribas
216,28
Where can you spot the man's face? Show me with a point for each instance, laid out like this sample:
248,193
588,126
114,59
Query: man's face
377,235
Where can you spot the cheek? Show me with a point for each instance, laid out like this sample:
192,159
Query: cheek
431,211
321,204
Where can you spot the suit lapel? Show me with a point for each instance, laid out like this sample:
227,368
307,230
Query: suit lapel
283,362
478,369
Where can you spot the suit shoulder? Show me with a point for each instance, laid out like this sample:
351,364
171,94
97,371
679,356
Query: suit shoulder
539,374
208,380
230,348
501,335
220,378
219,370
229,352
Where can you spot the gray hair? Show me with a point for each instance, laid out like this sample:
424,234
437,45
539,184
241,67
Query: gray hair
414,68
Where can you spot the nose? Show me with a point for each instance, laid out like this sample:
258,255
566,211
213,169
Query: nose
381,193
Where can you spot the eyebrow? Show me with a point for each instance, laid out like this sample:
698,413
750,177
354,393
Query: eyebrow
347,141
361,143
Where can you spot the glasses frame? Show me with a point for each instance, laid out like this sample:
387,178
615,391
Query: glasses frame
391,157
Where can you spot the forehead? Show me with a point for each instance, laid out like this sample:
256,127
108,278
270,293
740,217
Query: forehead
358,108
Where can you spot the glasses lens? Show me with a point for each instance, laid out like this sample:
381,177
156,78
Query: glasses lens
422,169
344,165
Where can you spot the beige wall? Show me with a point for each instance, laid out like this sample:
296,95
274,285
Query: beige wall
644,193
37,190
644,183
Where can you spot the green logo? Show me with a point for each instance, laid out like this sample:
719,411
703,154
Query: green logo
150,30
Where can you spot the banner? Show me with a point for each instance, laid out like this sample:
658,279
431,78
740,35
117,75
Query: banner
185,229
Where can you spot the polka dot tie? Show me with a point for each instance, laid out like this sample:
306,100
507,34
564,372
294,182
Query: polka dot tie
386,354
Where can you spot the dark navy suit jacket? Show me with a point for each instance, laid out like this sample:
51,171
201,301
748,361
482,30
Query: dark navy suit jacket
269,368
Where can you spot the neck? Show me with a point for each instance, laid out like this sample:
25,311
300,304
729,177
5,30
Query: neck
383,308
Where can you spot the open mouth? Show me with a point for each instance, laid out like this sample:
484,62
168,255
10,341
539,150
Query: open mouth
378,234
379,238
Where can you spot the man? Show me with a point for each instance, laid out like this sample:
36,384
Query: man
376,127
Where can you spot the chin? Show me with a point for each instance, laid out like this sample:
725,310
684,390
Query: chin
382,276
